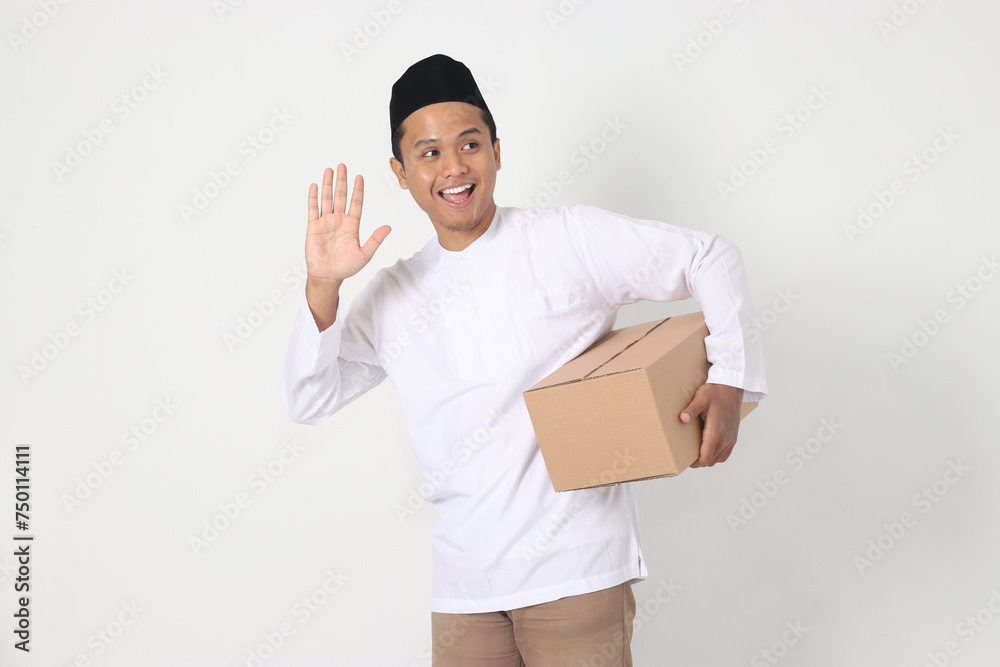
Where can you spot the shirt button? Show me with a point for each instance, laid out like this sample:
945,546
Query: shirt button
465,283
459,258
470,307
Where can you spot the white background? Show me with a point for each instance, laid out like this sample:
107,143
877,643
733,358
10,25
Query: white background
817,551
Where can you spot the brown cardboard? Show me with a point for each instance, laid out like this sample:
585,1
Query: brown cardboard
611,414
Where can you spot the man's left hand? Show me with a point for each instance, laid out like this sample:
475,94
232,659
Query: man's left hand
718,405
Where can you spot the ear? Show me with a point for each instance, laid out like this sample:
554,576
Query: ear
496,152
397,168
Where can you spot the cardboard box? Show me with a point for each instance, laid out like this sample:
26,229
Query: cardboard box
611,414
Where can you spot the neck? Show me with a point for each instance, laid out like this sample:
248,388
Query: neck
456,239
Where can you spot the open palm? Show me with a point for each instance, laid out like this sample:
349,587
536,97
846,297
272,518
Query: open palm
333,249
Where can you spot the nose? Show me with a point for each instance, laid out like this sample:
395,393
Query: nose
453,164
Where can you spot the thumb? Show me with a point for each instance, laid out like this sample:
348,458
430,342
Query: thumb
374,241
697,407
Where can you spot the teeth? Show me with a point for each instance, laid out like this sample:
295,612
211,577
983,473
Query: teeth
452,191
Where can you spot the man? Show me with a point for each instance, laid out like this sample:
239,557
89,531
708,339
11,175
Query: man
499,299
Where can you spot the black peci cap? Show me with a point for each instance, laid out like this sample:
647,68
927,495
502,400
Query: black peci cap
430,81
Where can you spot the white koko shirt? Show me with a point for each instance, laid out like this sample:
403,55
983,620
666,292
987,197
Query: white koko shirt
462,333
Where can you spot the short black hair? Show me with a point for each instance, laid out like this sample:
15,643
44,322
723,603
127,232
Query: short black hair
398,134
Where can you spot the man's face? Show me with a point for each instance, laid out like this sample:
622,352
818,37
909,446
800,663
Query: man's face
450,169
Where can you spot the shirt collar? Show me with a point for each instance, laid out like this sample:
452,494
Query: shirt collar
442,255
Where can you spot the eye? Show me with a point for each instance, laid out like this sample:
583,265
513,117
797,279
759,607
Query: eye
471,144
431,153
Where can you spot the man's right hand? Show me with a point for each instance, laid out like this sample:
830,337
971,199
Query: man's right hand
333,249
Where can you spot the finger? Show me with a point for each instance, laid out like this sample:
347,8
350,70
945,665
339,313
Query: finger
726,444
327,191
695,408
688,414
357,197
733,438
374,241
713,438
313,207
709,447
340,192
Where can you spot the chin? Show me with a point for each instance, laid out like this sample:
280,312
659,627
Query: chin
462,228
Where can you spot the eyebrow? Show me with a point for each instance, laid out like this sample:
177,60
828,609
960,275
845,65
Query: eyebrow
434,140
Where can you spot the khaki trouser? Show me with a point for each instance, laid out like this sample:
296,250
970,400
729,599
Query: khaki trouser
589,630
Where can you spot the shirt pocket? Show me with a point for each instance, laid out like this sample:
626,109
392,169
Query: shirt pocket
526,307
556,324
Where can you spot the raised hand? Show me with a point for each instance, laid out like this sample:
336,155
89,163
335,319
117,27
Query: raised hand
333,248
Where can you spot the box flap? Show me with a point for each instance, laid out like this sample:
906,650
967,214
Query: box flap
597,355
657,340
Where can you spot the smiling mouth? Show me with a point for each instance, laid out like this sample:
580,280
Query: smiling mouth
457,195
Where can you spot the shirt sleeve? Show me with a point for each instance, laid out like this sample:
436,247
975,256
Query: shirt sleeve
632,260
324,371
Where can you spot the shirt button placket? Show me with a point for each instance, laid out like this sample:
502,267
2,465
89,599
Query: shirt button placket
464,282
